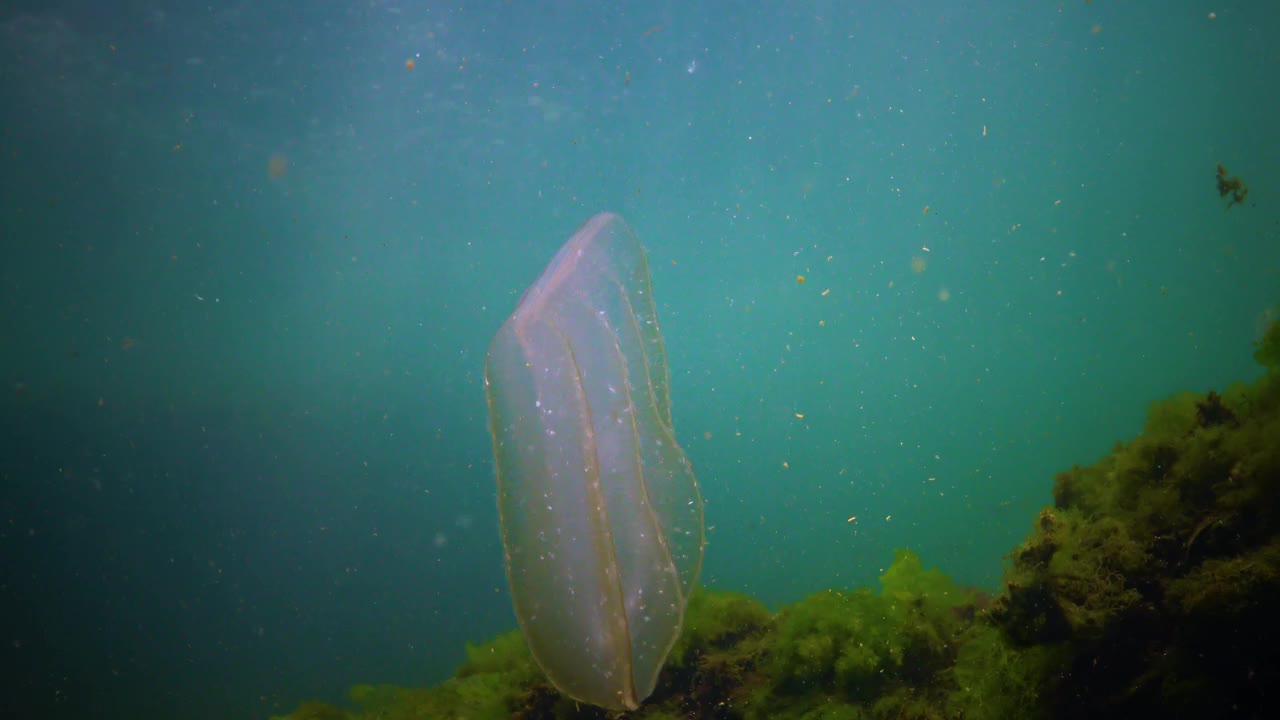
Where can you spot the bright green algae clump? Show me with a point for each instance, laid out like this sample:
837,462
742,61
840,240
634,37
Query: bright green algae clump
834,652
1144,589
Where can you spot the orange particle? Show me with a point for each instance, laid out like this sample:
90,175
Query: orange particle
800,279
177,147
409,64
786,465
1095,29
799,416
277,165
926,210
826,292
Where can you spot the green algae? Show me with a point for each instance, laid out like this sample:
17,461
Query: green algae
1145,588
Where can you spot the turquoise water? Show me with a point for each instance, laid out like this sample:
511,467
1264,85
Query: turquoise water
252,261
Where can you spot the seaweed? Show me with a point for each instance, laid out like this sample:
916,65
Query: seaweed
1153,570
1145,589
1231,188
1267,348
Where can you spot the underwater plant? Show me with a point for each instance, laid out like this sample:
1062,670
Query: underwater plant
1267,351
1154,571
1231,188
1146,589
